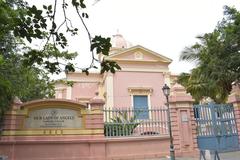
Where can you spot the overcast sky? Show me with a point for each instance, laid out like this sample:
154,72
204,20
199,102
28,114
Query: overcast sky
164,26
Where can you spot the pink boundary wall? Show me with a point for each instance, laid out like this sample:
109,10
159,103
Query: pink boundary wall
234,98
97,147
85,149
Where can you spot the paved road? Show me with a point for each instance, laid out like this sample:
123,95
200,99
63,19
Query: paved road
223,156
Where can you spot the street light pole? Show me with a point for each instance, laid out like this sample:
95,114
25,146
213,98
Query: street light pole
166,91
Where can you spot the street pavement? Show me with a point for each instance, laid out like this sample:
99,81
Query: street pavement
223,156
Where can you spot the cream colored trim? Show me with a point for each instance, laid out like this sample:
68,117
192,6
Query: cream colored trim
132,105
92,75
136,60
140,90
165,59
109,90
149,105
145,91
140,62
17,112
60,88
83,99
101,89
84,80
52,132
167,79
138,55
143,70
69,92
149,102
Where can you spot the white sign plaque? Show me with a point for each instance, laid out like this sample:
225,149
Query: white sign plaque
184,117
53,118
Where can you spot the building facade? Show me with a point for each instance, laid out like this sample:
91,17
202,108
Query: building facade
138,84
75,126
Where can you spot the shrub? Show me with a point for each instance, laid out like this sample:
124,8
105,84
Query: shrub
121,125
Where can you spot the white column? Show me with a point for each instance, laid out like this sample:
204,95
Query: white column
109,90
69,92
166,76
149,105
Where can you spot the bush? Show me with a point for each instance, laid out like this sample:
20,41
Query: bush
120,125
113,129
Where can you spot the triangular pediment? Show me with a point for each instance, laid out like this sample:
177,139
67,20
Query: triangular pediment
139,53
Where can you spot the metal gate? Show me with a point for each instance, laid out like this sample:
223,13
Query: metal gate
216,127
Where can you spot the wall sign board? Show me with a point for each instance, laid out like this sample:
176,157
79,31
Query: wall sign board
53,118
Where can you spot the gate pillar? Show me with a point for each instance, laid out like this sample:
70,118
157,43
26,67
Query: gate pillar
183,122
234,98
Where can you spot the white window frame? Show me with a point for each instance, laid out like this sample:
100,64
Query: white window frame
141,91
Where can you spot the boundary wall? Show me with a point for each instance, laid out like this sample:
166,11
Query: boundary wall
88,142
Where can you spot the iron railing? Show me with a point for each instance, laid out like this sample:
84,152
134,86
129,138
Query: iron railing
215,119
119,122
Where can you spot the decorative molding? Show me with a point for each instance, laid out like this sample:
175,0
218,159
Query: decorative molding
146,91
140,90
138,55
135,60
83,99
138,47
125,69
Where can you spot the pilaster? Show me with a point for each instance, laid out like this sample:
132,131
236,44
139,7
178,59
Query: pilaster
234,98
183,122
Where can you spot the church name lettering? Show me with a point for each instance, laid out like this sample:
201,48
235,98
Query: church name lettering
53,118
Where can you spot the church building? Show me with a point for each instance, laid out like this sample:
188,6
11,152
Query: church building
139,82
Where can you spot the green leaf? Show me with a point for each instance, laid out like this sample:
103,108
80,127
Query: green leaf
29,39
37,26
34,20
49,7
82,4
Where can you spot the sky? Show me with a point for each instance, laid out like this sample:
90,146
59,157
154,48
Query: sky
164,26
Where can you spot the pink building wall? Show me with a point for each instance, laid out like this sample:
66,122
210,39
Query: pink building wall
84,90
60,91
141,66
123,80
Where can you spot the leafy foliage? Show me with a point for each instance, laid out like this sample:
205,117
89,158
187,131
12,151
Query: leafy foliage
17,80
25,83
32,23
121,125
23,69
217,60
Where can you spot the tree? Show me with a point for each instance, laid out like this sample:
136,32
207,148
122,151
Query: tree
217,60
31,23
24,69
18,81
